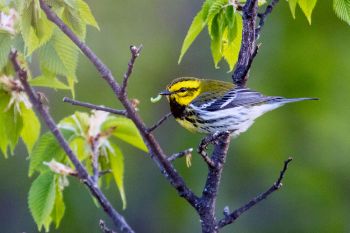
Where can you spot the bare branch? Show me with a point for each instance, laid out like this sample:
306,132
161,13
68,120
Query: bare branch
203,146
104,227
156,125
157,154
230,218
180,155
206,209
83,175
263,16
94,158
135,53
96,107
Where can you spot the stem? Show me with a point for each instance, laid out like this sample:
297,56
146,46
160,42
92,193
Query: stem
93,106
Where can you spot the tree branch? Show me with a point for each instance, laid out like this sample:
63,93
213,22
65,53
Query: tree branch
156,125
263,16
180,155
240,75
206,209
152,144
83,175
135,53
96,107
230,218
104,227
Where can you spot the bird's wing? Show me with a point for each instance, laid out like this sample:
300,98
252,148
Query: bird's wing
233,98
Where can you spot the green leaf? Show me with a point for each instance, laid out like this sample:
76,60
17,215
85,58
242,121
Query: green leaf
342,9
116,159
31,127
292,6
36,29
46,149
86,14
41,198
216,38
59,206
59,55
216,7
125,130
196,27
48,81
307,7
5,47
11,124
80,148
231,49
72,18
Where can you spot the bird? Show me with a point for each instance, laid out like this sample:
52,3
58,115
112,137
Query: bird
213,106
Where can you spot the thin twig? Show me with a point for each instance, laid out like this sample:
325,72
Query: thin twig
230,218
104,172
83,175
157,154
96,107
163,119
263,16
180,154
104,227
203,146
135,53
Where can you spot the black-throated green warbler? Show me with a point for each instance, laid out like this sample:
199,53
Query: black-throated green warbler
209,106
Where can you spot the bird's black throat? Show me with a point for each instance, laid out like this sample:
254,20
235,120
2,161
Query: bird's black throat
178,111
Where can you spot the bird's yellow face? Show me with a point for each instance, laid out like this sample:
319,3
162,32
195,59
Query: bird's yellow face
183,90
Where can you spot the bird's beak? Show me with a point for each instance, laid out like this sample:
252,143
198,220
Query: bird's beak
166,92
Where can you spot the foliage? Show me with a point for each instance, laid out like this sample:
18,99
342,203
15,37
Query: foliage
80,130
224,22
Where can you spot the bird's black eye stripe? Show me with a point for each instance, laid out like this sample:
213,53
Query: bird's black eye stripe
182,89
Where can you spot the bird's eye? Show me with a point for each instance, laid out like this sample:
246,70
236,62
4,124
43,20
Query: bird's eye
182,89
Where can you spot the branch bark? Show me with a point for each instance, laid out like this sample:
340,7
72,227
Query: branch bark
82,173
240,75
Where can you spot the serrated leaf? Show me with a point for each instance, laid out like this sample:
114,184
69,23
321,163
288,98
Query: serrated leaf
196,27
59,206
307,7
342,9
116,160
48,81
72,18
216,38
12,124
231,49
59,55
31,127
36,29
41,198
80,148
5,47
125,130
46,149
86,14
216,8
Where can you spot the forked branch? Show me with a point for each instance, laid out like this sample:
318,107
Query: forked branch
231,217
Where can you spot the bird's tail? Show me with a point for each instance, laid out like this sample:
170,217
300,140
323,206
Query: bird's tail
289,100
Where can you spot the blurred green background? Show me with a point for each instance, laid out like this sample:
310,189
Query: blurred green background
295,60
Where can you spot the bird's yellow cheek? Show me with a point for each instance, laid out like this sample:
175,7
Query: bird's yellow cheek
185,99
